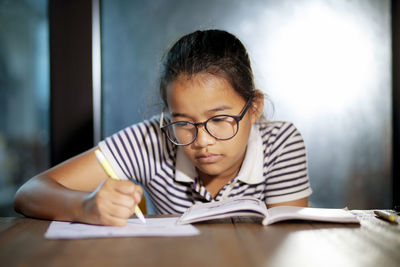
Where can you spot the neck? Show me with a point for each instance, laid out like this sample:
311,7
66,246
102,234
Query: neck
214,183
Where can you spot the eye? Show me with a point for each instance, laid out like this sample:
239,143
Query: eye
182,124
219,119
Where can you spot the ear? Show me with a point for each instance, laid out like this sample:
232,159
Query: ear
257,106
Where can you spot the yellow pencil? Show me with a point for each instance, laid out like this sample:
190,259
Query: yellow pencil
390,217
110,172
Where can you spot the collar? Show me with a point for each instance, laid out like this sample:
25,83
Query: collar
185,170
251,171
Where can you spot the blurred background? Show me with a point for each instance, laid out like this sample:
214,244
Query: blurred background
74,72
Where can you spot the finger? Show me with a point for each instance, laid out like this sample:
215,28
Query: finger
111,209
124,187
114,221
137,195
121,212
115,197
139,189
108,200
123,193
123,200
129,188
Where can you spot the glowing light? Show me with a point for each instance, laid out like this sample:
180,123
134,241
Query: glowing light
318,60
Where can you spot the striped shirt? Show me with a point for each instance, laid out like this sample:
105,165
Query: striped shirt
274,168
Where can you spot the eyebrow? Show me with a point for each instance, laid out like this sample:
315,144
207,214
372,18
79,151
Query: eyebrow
214,110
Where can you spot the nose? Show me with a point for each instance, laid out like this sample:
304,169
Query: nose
203,139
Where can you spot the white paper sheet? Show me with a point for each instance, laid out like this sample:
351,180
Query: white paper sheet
134,227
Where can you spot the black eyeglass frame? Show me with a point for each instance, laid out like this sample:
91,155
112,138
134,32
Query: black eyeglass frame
237,118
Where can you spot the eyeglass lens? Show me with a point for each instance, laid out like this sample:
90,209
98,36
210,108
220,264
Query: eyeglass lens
221,127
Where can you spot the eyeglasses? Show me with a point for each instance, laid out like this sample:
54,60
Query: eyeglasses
221,127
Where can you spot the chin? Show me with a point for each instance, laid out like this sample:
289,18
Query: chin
210,170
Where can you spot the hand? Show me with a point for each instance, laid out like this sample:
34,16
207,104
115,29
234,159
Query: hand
112,203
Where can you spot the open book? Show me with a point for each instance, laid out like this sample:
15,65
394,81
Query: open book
249,206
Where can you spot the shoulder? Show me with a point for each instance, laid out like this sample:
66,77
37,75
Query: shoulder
149,126
281,140
153,122
144,132
136,149
277,131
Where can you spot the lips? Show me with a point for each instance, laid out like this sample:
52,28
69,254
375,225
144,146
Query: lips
208,158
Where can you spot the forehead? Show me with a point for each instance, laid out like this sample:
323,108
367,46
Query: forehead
201,91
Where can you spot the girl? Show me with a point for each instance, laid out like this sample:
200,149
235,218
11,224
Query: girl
213,143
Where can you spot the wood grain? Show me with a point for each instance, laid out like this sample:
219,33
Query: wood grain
236,242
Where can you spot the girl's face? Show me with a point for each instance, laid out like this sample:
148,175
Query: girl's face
199,98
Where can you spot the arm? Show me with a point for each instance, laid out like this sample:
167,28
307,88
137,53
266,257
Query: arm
78,190
287,174
303,202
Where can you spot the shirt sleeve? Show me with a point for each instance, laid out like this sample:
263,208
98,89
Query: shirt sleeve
135,152
285,165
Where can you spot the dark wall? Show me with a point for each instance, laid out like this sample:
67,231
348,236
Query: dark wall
396,100
70,78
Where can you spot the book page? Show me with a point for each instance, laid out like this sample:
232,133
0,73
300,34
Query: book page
134,227
282,213
241,206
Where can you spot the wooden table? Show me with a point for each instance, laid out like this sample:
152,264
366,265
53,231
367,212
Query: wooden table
236,242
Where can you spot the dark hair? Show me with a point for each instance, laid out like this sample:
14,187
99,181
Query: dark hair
211,51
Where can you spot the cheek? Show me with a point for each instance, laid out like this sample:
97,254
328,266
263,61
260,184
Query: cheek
235,147
232,148
241,139
244,130
189,152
